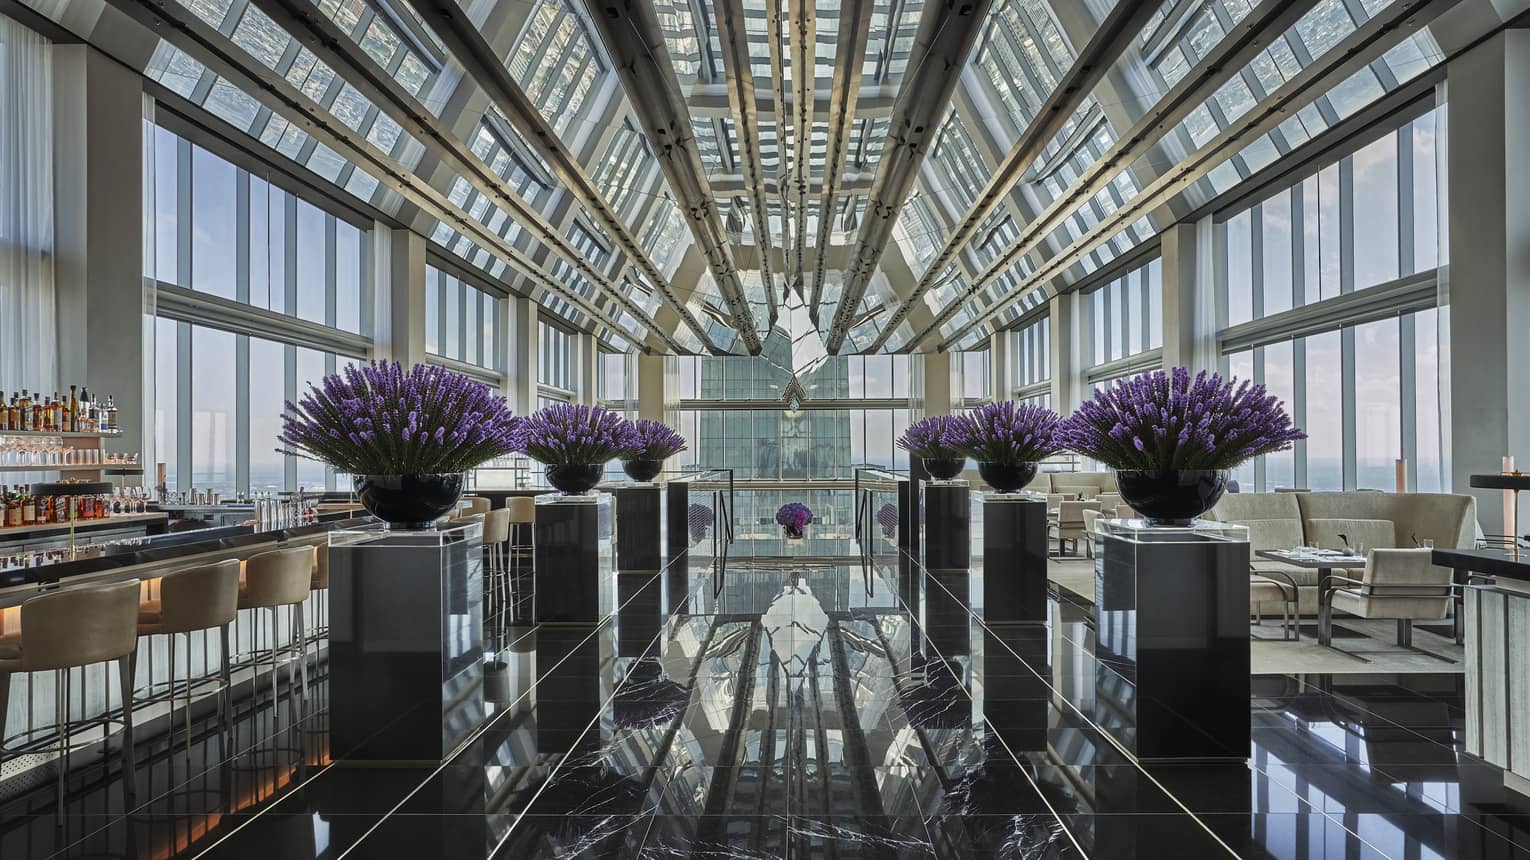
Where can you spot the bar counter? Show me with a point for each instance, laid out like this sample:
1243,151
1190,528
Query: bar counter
95,559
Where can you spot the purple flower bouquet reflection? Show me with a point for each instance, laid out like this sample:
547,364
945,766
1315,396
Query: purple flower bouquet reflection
794,517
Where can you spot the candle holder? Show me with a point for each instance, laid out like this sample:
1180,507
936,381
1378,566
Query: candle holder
71,488
1510,482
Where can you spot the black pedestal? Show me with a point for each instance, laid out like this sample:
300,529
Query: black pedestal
571,692
640,523
405,642
1017,699
947,526
1172,640
1014,558
573,559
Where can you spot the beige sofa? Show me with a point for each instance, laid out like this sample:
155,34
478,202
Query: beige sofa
1088,484
1286,520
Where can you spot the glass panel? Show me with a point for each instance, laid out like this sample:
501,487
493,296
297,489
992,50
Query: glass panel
1376,213
1378,422
1426,368
166,398
214,225
1280,468
212,410
1325,413
310,370
268,378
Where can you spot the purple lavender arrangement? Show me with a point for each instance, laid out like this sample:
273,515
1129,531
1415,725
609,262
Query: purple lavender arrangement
1008,433
935,438
563,435
654,440
794,517
378,420
1166,421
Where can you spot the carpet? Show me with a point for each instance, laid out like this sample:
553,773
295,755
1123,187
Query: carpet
1362,645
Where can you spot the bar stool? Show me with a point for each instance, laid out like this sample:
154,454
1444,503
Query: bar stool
73,628
275,579
319,587
477,505
197,598
496,535
523,515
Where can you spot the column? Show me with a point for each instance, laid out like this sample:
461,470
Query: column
1189,298
398,306
1066,356
650,387
98,235
586,354
521,369
937,391
1000,362
1485,291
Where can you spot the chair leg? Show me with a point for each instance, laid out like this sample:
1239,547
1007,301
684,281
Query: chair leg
61,725
1405,632
125,671
226,698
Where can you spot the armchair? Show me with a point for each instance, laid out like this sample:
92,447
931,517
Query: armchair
1401,584
1070,523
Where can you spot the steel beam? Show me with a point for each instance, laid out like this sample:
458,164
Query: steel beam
1359,49
734,37
635,44
849,58
947,31
1110,40
773,25
804,37
182,28
479,61
305,23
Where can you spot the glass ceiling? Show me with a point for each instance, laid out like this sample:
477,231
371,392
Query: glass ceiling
1064,217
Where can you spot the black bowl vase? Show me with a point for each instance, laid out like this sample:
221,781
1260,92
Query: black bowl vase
575,478
1007,477
643,471
944,468
1171,497
409,501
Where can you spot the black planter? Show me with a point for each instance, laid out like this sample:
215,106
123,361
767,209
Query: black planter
944,468
576,478
409,501
642,471
1171,497
1007,477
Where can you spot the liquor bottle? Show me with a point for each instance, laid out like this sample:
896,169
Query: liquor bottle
13,412
28,510
88,406
12,510
111,414
40,504
74,410
5,413
26,410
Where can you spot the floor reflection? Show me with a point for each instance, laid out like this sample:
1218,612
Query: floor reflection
806,709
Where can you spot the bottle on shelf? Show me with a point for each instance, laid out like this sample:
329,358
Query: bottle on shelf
111,414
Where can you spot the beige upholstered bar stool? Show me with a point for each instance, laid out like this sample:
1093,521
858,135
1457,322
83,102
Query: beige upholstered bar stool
318,586
477,505
519,549
275,579
496,536
72,628
197,598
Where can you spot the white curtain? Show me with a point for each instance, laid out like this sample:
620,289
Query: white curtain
28,356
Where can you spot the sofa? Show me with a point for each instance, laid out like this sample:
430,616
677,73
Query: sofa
1369,519
1086,484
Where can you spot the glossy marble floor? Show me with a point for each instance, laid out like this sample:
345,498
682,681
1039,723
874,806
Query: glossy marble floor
807,707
